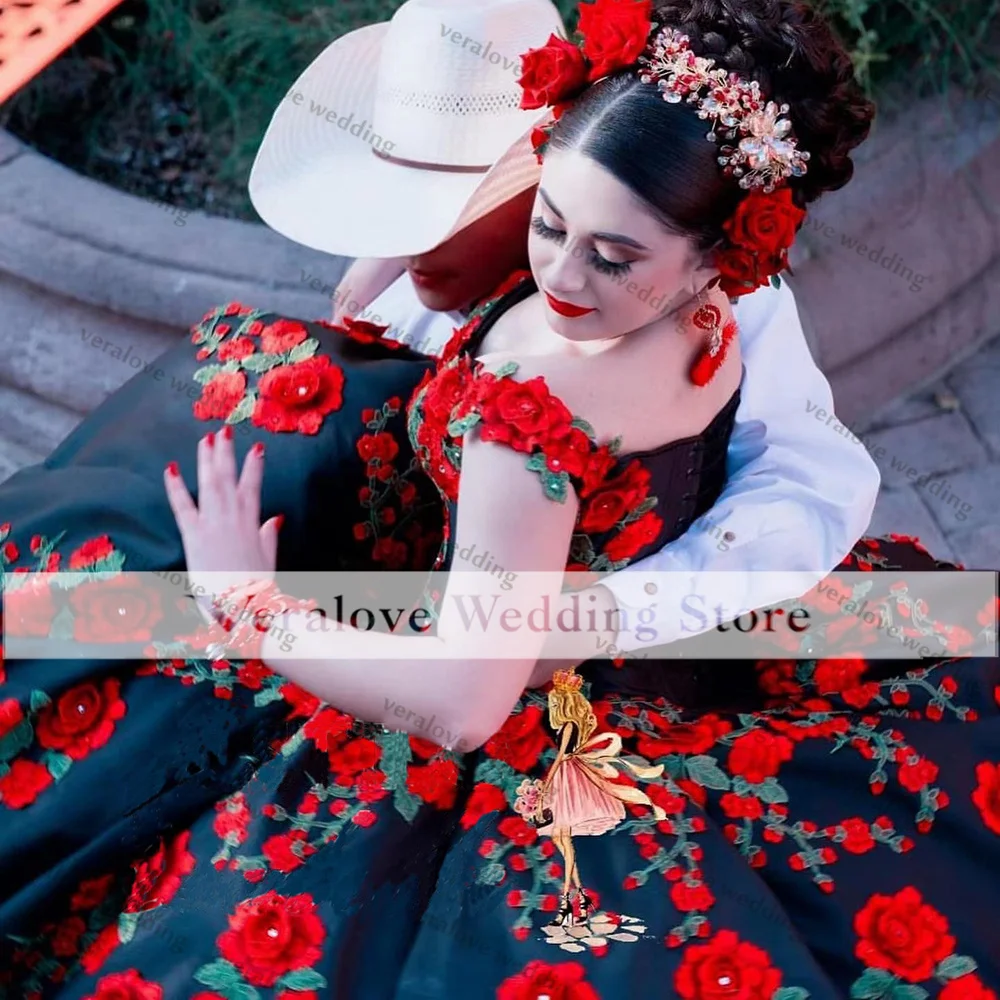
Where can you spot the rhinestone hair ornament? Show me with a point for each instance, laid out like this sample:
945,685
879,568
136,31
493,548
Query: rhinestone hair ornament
757,147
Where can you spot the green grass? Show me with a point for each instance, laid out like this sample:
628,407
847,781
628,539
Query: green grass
169,98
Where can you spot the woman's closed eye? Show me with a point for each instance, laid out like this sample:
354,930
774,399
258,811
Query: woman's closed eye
599,263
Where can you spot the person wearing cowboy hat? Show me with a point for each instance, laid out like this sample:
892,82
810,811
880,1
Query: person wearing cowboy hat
442,219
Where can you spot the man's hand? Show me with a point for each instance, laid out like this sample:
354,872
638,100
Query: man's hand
363,282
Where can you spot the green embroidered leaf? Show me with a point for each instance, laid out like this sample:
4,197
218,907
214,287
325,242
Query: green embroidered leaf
260,363
771,792
4,771
266,696
218,975
18,739
206,374
491,874
62,625
741,786
58,764
459,427
396,754
507,368
647,505
904,991
39,699
580,424
301,979
555,485
453,453
874,984
616,445
127,923
537,463
110,564
293,743
302,351
244,408
776,281
601,564
790,993
707,773
954,966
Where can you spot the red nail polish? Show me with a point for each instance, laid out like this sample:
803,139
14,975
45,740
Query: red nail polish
258,448
279,521
210,438
227,432
173,469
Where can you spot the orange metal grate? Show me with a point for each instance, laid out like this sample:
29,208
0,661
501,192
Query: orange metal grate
34,32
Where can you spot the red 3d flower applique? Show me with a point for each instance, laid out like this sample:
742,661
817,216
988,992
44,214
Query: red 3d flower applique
297,397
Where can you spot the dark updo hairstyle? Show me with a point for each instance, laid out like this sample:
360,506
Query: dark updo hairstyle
659,150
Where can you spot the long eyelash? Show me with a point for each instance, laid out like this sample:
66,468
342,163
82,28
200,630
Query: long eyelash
598,262
546,232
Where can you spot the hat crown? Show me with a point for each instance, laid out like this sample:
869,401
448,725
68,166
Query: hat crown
447,90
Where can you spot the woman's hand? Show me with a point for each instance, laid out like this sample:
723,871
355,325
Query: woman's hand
222,534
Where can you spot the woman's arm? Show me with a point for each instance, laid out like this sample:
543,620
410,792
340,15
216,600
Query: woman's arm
469,675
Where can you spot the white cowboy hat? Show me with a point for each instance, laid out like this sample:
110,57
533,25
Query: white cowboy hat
403,132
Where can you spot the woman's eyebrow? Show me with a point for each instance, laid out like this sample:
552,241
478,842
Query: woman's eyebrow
603,237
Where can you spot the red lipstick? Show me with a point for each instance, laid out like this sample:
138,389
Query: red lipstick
567,308
429,279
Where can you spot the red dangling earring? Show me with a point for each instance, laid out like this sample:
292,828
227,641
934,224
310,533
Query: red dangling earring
710,358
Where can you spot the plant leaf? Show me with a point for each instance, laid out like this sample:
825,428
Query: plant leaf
954,966
707,773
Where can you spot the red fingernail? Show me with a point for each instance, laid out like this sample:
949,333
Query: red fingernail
279,521
210,438
173,468
227,432
258,448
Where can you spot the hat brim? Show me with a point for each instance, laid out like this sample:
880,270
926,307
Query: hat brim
324,187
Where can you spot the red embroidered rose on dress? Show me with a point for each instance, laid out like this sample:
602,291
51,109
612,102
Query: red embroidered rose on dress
986,795
272,935
903,935
607,506
726,966
119,609
523,415
128,985
23,783
159,877
521,739
82,719
221,395
281,336
564,981
297,397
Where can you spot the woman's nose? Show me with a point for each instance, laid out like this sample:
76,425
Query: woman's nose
566,271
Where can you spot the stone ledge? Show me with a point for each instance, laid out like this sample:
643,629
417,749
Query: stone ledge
100,246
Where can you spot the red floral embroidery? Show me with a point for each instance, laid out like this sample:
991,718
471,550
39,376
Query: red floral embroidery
119,609
564,981
903,935
128,985
23,783
272,935
159,877
986,795
726,966
968,987
521,739
759,755
297,397
485,798
82,719
220,396
523,415
605,507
